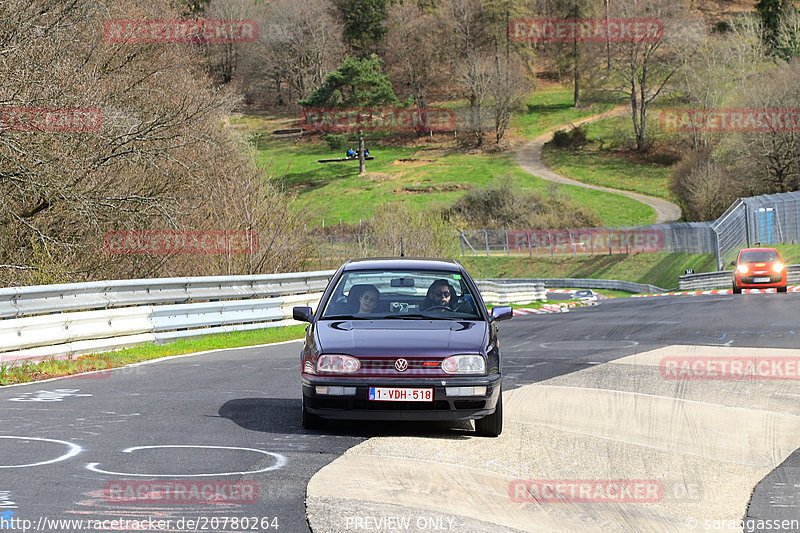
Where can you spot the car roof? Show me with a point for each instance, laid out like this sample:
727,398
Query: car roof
402,263
743,250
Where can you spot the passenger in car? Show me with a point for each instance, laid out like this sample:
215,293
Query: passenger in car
440,296
364,298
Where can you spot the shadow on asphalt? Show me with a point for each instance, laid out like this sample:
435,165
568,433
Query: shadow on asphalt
282,415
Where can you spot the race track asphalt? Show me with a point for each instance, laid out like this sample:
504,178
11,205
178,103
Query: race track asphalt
71,448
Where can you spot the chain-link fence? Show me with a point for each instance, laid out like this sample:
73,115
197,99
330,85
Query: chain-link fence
677,237
756,221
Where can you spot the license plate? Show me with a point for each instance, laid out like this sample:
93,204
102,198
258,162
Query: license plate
388,394
761,280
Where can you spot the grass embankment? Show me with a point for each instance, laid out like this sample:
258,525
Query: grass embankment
608,160
423,172
660,269
790,253
26,372
550,108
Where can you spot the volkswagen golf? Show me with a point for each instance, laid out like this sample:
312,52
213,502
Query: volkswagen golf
402,339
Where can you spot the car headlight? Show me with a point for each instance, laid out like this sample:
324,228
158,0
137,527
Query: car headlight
341,364
464,364
777,267
742,269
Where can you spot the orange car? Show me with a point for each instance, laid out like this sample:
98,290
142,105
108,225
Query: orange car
759,268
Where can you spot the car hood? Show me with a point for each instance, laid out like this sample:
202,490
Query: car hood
429,338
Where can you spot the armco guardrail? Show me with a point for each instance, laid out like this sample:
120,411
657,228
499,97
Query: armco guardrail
63,321
23,301
584,283
500,293
110,315
707,281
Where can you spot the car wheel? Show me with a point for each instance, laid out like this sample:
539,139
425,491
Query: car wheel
782,289
311,421
737,290
492,425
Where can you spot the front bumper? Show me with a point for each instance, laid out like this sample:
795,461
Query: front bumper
443,407
746,281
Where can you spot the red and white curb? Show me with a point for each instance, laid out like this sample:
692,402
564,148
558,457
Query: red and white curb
791,288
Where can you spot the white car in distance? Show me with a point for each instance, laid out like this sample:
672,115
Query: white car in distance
586,295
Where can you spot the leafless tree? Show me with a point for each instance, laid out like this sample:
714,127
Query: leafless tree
411,53
721,66
151,164
642,69
300,42
766,161
224,58
469,38
507,86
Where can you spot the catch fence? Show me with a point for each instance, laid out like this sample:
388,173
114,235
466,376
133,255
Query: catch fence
756,221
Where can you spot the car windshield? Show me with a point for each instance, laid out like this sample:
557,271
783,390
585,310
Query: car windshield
759,256
406,294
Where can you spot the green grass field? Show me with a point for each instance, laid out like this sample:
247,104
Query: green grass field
602,162
549,108
426,175
10,374
659,269
334,191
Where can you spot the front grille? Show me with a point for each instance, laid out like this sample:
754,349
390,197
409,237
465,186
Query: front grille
386,366
348,404
469,404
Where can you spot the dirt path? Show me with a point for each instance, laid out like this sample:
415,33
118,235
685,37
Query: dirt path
529,158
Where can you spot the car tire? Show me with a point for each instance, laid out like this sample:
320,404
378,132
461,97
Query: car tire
737,290
492,425
311,421
783,289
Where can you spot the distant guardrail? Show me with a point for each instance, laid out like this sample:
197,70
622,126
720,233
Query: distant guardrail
68,320
584,283
707,281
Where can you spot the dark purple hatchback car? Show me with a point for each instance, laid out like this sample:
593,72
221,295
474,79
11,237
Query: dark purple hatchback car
402,339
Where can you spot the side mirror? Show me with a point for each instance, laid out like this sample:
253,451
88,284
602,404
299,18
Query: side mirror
733,263
501,313
303,314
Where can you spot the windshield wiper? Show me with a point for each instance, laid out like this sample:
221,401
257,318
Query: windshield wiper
417,316
347,317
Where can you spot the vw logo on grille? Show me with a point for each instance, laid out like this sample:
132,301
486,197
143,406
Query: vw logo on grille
401,365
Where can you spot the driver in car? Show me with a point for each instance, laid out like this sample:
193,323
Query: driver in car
439,297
